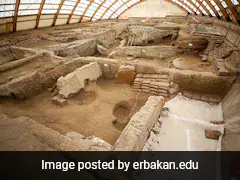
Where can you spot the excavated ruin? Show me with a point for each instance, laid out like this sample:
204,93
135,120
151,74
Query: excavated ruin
127,85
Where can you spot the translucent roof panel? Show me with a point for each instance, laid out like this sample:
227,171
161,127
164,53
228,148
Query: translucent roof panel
7,8
110,9
28,7
51,6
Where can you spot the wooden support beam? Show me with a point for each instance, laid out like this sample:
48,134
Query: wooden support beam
130,7
16,15
109,8
211,6
184,4
85,11
74,8
39,13
204,7
194,5
142,1
222,10
233,9
175,4
118,8
98,9
166,1
57,13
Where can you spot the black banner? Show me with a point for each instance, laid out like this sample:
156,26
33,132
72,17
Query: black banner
121,165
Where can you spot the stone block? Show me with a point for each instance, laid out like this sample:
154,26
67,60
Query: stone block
102,50
59,101
204,58
160,52
75,81
125,75
212,134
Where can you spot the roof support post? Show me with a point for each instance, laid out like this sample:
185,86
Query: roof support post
98,9
108,8
74,8
85,11
39,13
57,13
15,15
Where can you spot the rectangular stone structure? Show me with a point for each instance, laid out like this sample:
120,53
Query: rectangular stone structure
75,81
137,130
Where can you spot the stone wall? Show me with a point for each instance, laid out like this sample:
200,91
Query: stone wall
109,67
231,117
227,29
156,84
75,81
29,84
140,125
159,52
87,47
25,134
202,82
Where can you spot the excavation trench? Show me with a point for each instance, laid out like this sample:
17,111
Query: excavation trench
133,85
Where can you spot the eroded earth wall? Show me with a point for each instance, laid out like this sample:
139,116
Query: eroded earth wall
75,81
231,117
25,134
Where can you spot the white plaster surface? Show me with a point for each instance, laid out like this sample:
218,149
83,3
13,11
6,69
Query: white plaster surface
182,128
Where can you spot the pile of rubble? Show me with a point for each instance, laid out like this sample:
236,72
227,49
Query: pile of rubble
219,56
156,84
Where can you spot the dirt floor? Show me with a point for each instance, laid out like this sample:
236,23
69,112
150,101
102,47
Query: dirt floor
190,61
87,113
40,44
186,61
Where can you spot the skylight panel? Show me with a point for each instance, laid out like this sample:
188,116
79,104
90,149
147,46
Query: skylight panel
235,2
224,4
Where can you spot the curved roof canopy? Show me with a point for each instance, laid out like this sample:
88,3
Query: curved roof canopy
107,9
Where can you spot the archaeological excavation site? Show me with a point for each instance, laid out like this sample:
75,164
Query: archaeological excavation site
124,75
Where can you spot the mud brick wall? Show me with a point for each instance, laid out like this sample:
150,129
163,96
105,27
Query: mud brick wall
155,84
140,125
87,47
229,30
159,52
222,55
109,66
202,82
30,84
75,81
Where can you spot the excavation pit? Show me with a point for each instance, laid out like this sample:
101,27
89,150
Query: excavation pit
121,111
